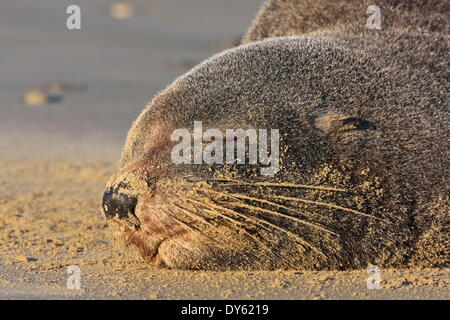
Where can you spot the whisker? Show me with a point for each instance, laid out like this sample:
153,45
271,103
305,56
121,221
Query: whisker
214,206
325,204
301,241
186,226
233,195
182,223
257,240
276,184
198,218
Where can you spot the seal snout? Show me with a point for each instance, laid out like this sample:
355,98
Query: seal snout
120,207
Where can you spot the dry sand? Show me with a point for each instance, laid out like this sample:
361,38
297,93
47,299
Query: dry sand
55,159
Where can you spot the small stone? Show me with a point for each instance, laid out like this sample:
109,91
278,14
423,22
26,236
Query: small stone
35,98
25,259
121,10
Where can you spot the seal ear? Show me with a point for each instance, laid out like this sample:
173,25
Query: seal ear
339,123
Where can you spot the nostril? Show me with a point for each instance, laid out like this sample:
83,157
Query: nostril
119,207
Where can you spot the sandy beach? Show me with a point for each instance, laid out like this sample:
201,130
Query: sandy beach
56,158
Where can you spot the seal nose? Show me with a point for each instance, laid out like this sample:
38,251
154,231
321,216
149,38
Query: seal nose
120,207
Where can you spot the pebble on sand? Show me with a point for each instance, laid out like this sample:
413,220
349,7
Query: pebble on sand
121,10
25,259
35,98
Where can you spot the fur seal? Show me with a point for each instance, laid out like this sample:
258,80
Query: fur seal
363,120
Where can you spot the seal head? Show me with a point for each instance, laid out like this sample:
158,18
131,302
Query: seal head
363,159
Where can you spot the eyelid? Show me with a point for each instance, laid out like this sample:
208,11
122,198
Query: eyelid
340,123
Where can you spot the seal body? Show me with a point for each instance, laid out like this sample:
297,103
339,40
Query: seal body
363,121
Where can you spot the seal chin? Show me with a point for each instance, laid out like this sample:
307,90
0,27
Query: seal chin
175,249
149,245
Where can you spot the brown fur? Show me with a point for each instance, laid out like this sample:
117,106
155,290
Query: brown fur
365,111
346,17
